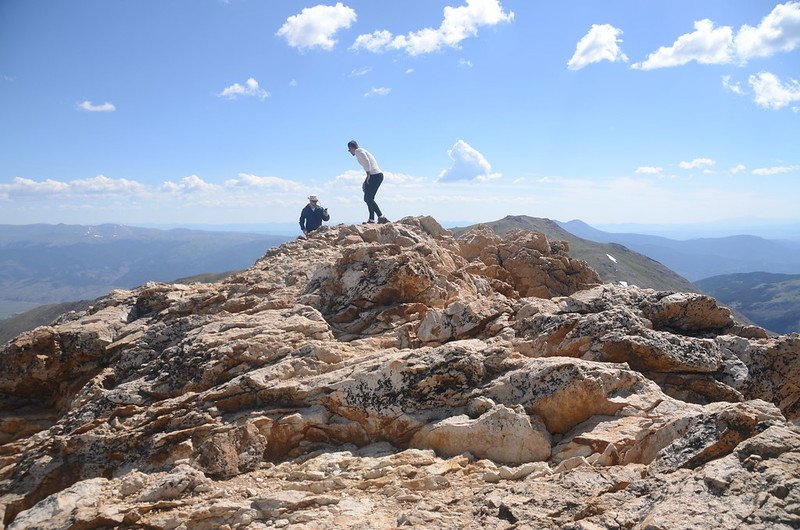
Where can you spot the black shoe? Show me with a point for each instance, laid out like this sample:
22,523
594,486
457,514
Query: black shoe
368,222
382,220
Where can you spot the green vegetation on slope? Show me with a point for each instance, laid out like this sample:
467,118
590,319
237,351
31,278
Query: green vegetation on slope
46,314
48,264
630,267
39,316
768,299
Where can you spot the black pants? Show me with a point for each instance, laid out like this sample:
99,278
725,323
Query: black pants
369,194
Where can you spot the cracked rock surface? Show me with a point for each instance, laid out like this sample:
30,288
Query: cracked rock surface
392,376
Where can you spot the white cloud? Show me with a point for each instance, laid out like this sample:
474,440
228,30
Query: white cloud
350,177
410,70
778,32
23,186
374,42
358,72
247,180
293,82
402,178
190,184
316,26
594,200
91,186
697,163
379,91
737,169
601,43
353,178
706,45
104,184
770,93
649,170
251,88
89,107
777,170
459,23
468,164
731,87
466,63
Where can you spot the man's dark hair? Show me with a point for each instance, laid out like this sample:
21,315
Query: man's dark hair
353,144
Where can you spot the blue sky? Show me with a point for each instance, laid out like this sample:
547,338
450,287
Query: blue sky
217,112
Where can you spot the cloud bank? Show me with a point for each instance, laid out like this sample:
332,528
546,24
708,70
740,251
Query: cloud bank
649,170
778,32
777,170
458,24
98,185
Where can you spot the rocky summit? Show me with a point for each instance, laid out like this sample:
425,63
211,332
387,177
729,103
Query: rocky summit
391,376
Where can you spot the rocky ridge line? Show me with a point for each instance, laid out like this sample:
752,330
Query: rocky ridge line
395,376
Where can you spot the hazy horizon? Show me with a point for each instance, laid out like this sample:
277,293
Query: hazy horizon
767,229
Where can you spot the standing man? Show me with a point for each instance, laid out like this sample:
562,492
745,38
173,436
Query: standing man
371,183
312,215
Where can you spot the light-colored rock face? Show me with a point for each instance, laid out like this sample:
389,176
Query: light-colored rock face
390,376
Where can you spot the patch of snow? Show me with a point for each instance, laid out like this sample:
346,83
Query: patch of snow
611,258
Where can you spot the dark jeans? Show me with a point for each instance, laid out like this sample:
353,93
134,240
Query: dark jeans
369,194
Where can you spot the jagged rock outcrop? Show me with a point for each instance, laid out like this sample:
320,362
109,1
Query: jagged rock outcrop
392,376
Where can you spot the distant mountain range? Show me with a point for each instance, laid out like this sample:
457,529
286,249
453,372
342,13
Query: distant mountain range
613,262
38,316
46,264
696,259
770,300
55,265
45,314
768,229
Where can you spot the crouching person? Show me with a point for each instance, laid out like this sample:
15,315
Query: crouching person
312,215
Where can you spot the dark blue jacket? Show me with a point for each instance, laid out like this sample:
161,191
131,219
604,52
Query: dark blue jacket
310,219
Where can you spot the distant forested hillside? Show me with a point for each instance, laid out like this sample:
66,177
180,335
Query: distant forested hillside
46,264
614,263
770,300
700,258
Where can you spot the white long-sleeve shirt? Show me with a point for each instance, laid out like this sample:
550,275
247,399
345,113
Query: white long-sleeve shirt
367,161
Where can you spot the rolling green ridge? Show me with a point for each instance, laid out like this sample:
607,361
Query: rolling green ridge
770,300
45,268
40,316
46,314
630,267
47,264
700,258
